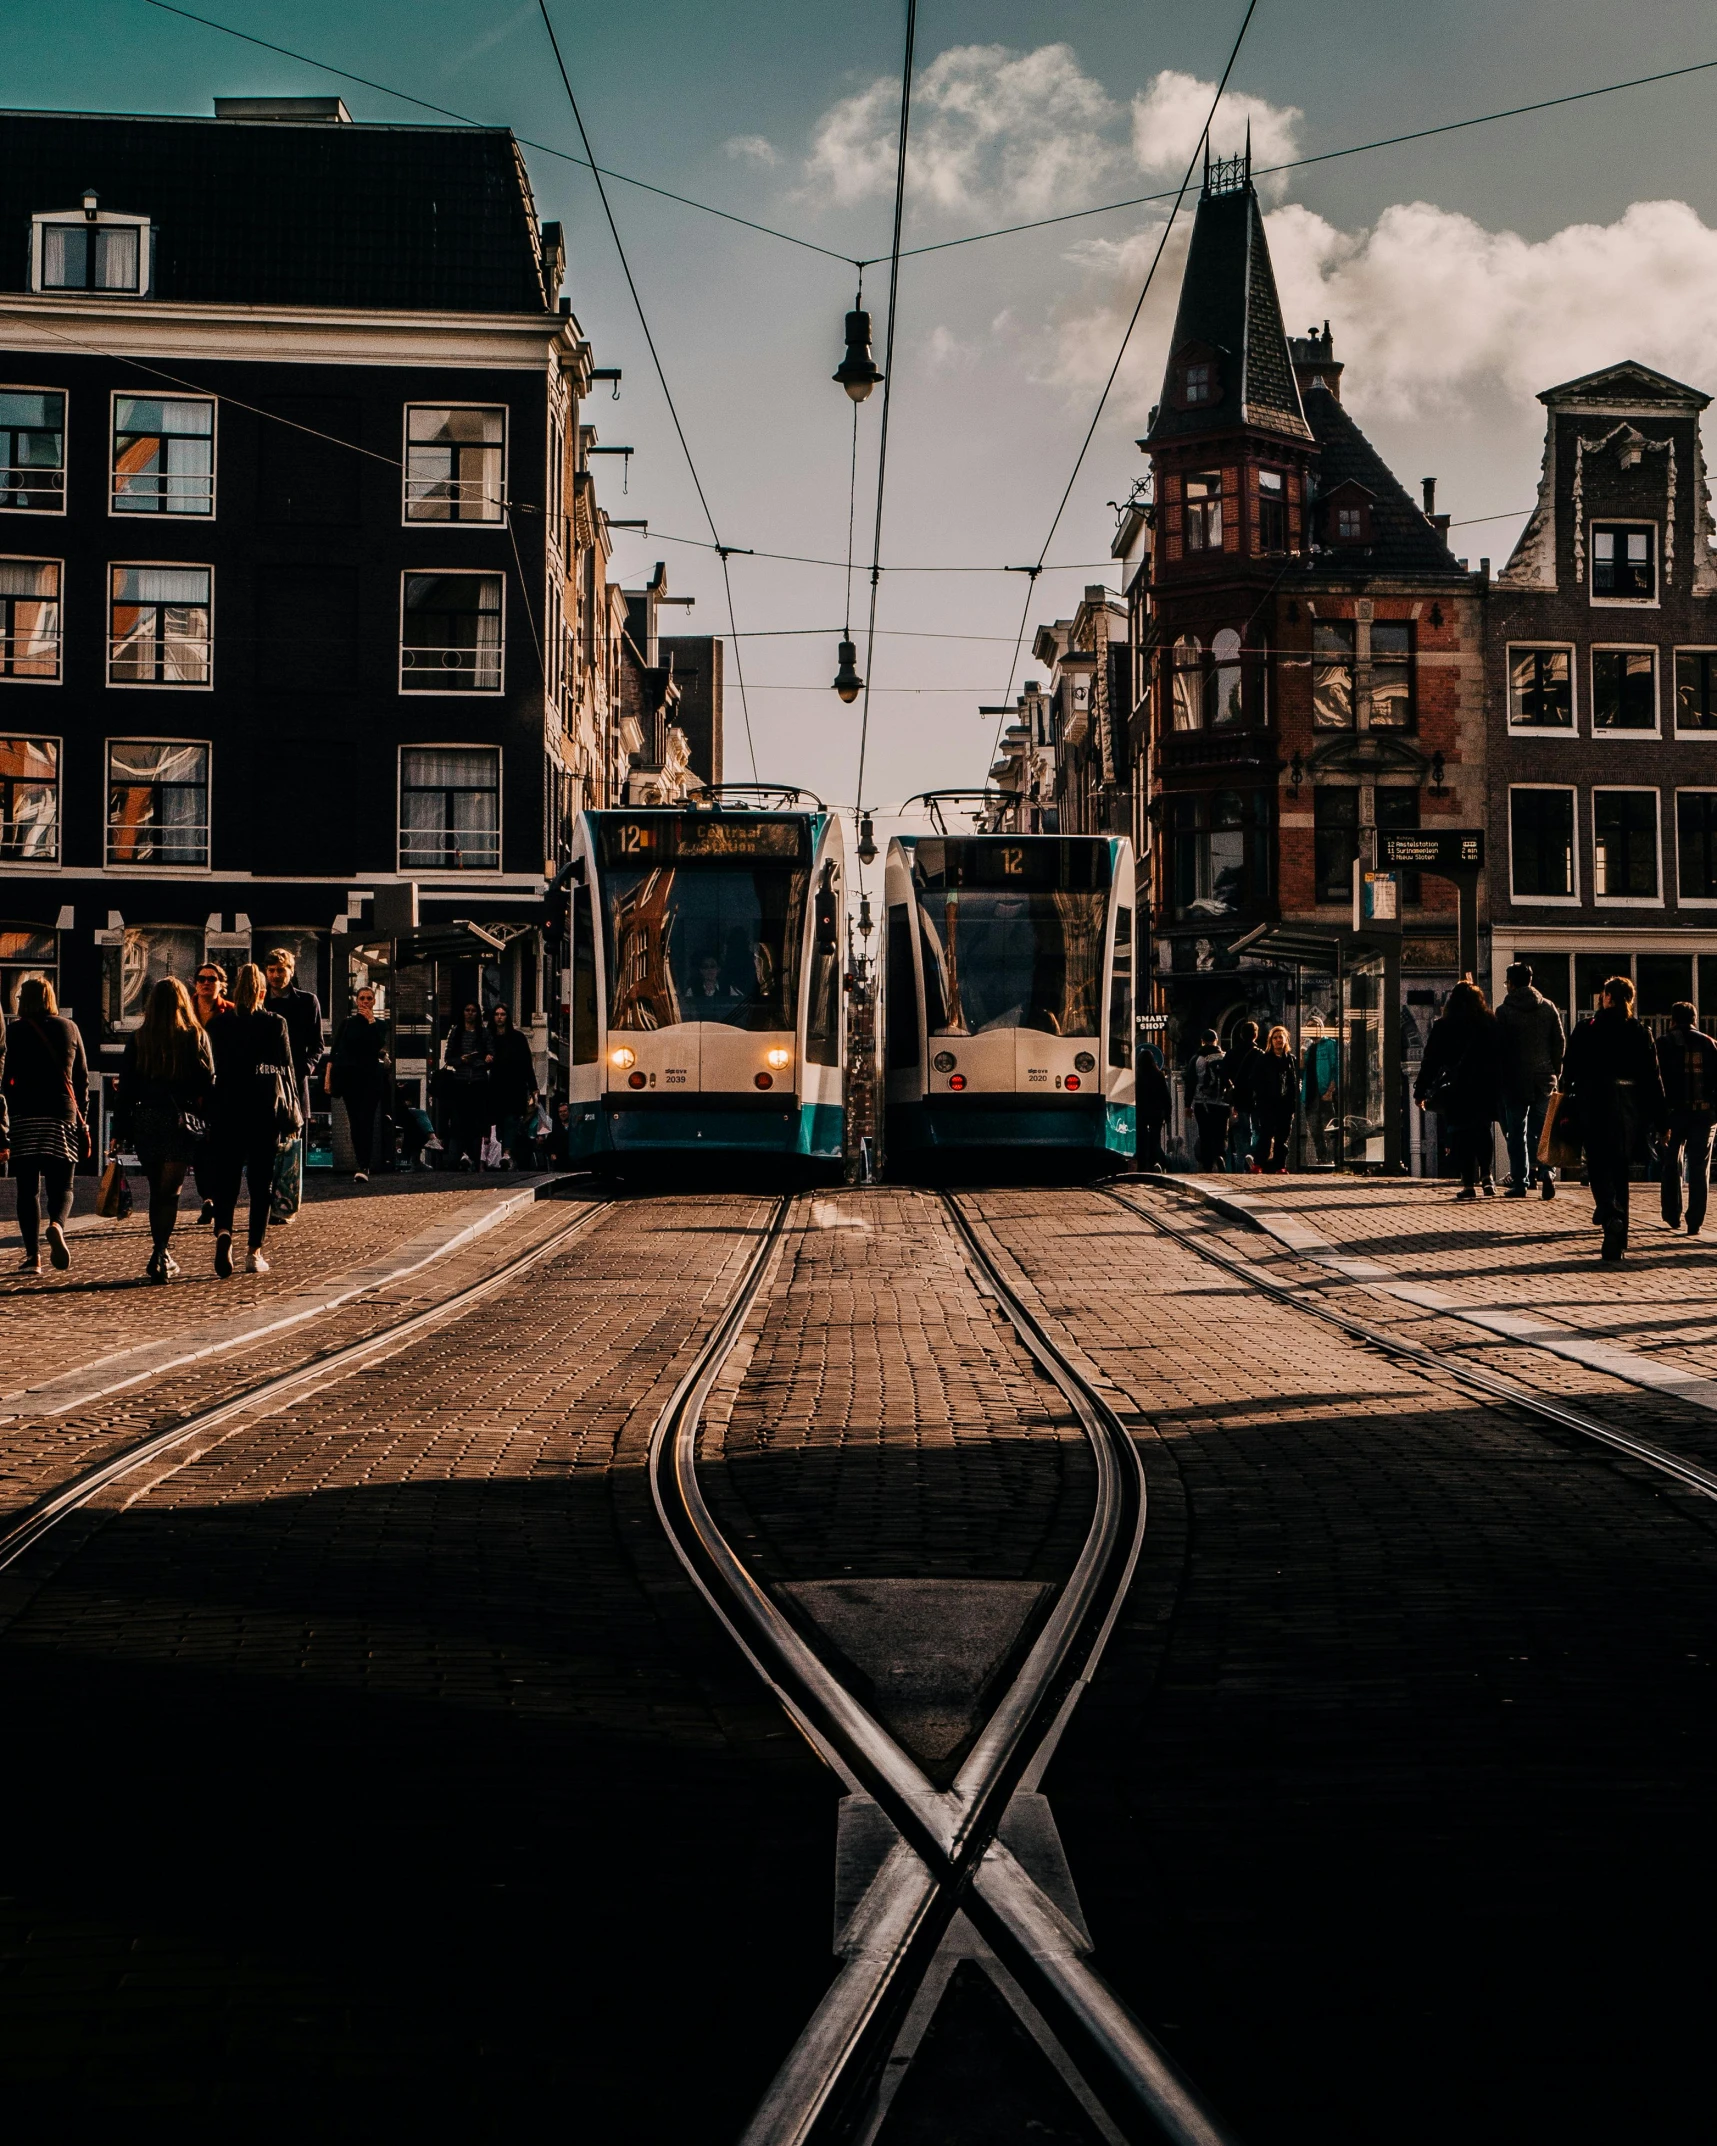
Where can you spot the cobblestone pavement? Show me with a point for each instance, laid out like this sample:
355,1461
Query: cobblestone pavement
1390,1805
381,1775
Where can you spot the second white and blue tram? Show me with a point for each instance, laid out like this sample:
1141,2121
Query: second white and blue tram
1008,994
705,1011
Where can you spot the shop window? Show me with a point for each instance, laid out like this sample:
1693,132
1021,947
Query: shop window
157,802
163,455
30,800
1541,688
159,626
1550,975
134,961
1624,562
1591,972
1661,980
1541,844
1696,845
454,463
32,450
1335,841
1203,511
30,618
1272,510
1624,689
1333,662
1624,845
449,808
1392,675
450,639
1696,689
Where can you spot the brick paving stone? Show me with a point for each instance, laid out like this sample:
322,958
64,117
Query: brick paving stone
1389,1807
384,1756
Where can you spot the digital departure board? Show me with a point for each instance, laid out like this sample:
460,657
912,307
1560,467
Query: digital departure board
646,838
996,863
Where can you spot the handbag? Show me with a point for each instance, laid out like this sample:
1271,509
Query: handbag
1559,1145
113,1193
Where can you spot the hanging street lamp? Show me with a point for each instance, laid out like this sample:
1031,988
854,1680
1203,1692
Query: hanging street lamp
848,684
857,371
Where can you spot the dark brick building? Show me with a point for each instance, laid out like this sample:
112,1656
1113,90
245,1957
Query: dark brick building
1601,674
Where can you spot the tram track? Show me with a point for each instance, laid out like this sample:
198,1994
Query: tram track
1493,1385
25,1529
947,1859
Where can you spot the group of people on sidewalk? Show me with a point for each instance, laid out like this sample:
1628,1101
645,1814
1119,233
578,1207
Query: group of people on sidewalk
1618,1093
488,1086
1243,1100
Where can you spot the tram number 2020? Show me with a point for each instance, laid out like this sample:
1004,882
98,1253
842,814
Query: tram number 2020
1013,862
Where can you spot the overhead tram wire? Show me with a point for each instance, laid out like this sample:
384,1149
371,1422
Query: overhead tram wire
722,550
887,389
1032,572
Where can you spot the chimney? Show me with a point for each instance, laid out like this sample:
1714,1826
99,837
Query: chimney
1315,363
326,111
1428,485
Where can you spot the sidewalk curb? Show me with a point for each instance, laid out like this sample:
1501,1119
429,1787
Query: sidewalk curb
129,1367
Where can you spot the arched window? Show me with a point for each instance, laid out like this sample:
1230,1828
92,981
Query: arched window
1227,682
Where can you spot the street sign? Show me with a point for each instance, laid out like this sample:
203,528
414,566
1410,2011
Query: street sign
1376,899
1444,849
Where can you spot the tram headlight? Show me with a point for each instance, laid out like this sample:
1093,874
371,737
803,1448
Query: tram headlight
624,1058
944,1061
1085,1063
778,1058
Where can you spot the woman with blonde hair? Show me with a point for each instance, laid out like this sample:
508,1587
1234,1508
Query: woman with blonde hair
1276,1098
44,1079
255,1108
165,1086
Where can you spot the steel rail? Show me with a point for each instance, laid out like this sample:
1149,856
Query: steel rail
27,1528
1490,1383
947,1858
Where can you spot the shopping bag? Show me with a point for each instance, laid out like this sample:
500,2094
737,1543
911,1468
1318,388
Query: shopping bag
1559,1145
113,1194
287,1191
492,1152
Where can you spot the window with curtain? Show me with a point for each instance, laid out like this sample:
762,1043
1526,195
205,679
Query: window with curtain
163,454
454,464
157,802
449,808
159,625
32,450
29,618
450,639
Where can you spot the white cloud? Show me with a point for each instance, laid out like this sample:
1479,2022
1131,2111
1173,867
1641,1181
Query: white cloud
990,127
946,352
1168,123
753,148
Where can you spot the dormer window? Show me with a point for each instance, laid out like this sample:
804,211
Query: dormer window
90,249
1347,514
1350,524
1624,564
1195,377
1199,384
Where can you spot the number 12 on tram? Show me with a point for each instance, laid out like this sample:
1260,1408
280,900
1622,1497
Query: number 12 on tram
705,1009
1008,993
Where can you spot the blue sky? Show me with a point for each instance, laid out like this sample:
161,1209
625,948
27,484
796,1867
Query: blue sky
1461,275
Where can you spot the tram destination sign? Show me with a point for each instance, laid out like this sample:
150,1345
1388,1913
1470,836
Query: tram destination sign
1442,849
659,838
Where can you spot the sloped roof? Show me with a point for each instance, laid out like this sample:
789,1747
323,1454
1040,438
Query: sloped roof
431,219
1403,541
1228,301
1627,382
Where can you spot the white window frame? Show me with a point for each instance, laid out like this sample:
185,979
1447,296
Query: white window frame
407,520
1547,901
132,517
27,558
25,387
1653,602
136,685
446,573
93,218
449,745
1626,648
1689,901
1691,648
41,864
1569,649
164,871
1629,789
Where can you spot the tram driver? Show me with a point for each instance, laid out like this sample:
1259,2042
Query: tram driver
712,997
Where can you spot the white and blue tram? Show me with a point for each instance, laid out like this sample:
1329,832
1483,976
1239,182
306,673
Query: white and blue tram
704,1010
1008,994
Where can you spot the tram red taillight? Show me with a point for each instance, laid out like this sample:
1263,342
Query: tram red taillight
1072,1081
956,1080
634,1080
763,1080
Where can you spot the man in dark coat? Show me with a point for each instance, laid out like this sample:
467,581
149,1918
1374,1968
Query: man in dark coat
1532,1041
302,1013
1687,1060
1153,1108
1610,1074
1459,1079
1238,1069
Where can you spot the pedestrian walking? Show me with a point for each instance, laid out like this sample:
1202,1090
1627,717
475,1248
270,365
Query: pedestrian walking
1610,1075
301,1010
44,1080
1208,1098
1532,1041
166,1083
1154,1103
1238,1071
208,997
357,1073
255,1107
1275,1100
1460,1079
512,1087
465,1080
1687,1063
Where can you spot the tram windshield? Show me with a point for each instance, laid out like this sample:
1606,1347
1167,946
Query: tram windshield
709,936
1013,934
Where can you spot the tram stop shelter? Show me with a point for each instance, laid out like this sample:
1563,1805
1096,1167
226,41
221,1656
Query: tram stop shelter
1344,1024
